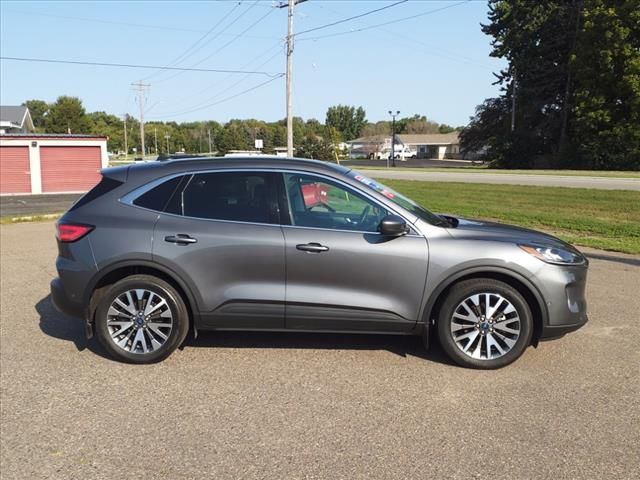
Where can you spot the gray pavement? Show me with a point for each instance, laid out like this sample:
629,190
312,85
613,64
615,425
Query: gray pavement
602,183
277,406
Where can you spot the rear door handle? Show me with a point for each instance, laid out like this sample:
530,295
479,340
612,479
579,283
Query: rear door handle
180,239
312,247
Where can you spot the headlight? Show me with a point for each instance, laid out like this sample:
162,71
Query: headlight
561,256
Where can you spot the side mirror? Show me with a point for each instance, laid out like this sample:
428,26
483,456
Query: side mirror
393,226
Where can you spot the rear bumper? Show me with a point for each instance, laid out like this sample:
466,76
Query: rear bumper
62,302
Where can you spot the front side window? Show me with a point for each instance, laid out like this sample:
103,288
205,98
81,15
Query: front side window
235,196
319,203
400,200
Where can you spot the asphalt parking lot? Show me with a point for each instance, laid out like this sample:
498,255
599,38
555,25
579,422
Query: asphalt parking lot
312,406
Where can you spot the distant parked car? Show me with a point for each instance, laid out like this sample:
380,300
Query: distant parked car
161,248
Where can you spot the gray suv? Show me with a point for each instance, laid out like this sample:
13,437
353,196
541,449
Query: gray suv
159,249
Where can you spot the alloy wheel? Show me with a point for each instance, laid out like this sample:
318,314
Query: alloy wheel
139,321
485,326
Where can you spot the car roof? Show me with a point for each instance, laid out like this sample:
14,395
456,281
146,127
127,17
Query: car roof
170,166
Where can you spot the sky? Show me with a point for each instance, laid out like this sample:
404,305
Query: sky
430,58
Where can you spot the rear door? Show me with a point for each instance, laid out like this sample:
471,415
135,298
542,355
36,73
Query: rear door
221,231
341,273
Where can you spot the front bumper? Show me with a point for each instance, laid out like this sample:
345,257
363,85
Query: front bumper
563,289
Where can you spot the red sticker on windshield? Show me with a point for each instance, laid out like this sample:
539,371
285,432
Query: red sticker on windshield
387,194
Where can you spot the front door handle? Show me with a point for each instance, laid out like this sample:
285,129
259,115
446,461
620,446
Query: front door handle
180,239
312,247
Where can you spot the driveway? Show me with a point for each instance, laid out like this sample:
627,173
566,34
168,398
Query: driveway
603,183
259,405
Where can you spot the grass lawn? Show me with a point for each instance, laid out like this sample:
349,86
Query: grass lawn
484,169
605,219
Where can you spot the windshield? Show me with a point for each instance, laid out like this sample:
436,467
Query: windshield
400,200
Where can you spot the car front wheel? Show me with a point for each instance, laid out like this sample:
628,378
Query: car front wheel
484,323
141,319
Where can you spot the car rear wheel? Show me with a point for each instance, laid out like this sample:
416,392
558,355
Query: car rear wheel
141,319
484,323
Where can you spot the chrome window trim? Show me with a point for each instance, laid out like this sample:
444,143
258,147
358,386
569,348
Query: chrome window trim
130,197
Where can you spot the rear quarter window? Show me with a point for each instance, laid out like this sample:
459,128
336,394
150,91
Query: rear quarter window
105,186
159,197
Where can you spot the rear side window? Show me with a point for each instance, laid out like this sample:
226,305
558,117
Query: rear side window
105,186
158,197
235,196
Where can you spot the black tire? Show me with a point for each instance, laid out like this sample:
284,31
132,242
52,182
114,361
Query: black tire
461,291
180,318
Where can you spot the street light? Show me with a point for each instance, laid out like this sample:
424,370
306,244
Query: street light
393,137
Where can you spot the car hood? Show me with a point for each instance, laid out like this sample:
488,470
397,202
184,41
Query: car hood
466,228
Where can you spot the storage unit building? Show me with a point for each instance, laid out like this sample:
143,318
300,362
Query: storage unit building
50,163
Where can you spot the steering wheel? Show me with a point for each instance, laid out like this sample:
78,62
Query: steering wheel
364,214
328,207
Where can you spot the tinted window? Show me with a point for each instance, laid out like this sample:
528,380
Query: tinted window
400,200
105,186
320,203
158,197
238,196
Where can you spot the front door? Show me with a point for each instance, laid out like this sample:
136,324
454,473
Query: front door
222,232
341,273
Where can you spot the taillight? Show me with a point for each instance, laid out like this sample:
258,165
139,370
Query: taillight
70,232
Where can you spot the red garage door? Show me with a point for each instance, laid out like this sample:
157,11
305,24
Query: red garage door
69,168
14,170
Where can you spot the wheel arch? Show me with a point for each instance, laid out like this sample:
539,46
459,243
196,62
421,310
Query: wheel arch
524,286
109,275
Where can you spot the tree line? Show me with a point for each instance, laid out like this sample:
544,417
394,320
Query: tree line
312,139
570,96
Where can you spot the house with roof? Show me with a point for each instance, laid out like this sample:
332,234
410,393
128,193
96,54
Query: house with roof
423,145
15,119
431,145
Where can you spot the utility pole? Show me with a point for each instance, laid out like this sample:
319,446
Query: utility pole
167,137
155,134
209,133
393,137
140,88
126,146
289,4
514,89
289,67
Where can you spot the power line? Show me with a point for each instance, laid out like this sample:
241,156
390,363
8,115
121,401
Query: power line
230,87
351,18
429,50
185,53
126,65
202,107
217,35
398,20
234,38
127,24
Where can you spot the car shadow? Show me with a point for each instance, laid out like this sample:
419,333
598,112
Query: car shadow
58,325
401,345
63,327
612,257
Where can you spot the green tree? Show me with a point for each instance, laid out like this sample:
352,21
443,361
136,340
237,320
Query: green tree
606,67
573,78
67,115
38,110
347,120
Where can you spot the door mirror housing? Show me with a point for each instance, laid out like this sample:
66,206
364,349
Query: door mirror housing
393,226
